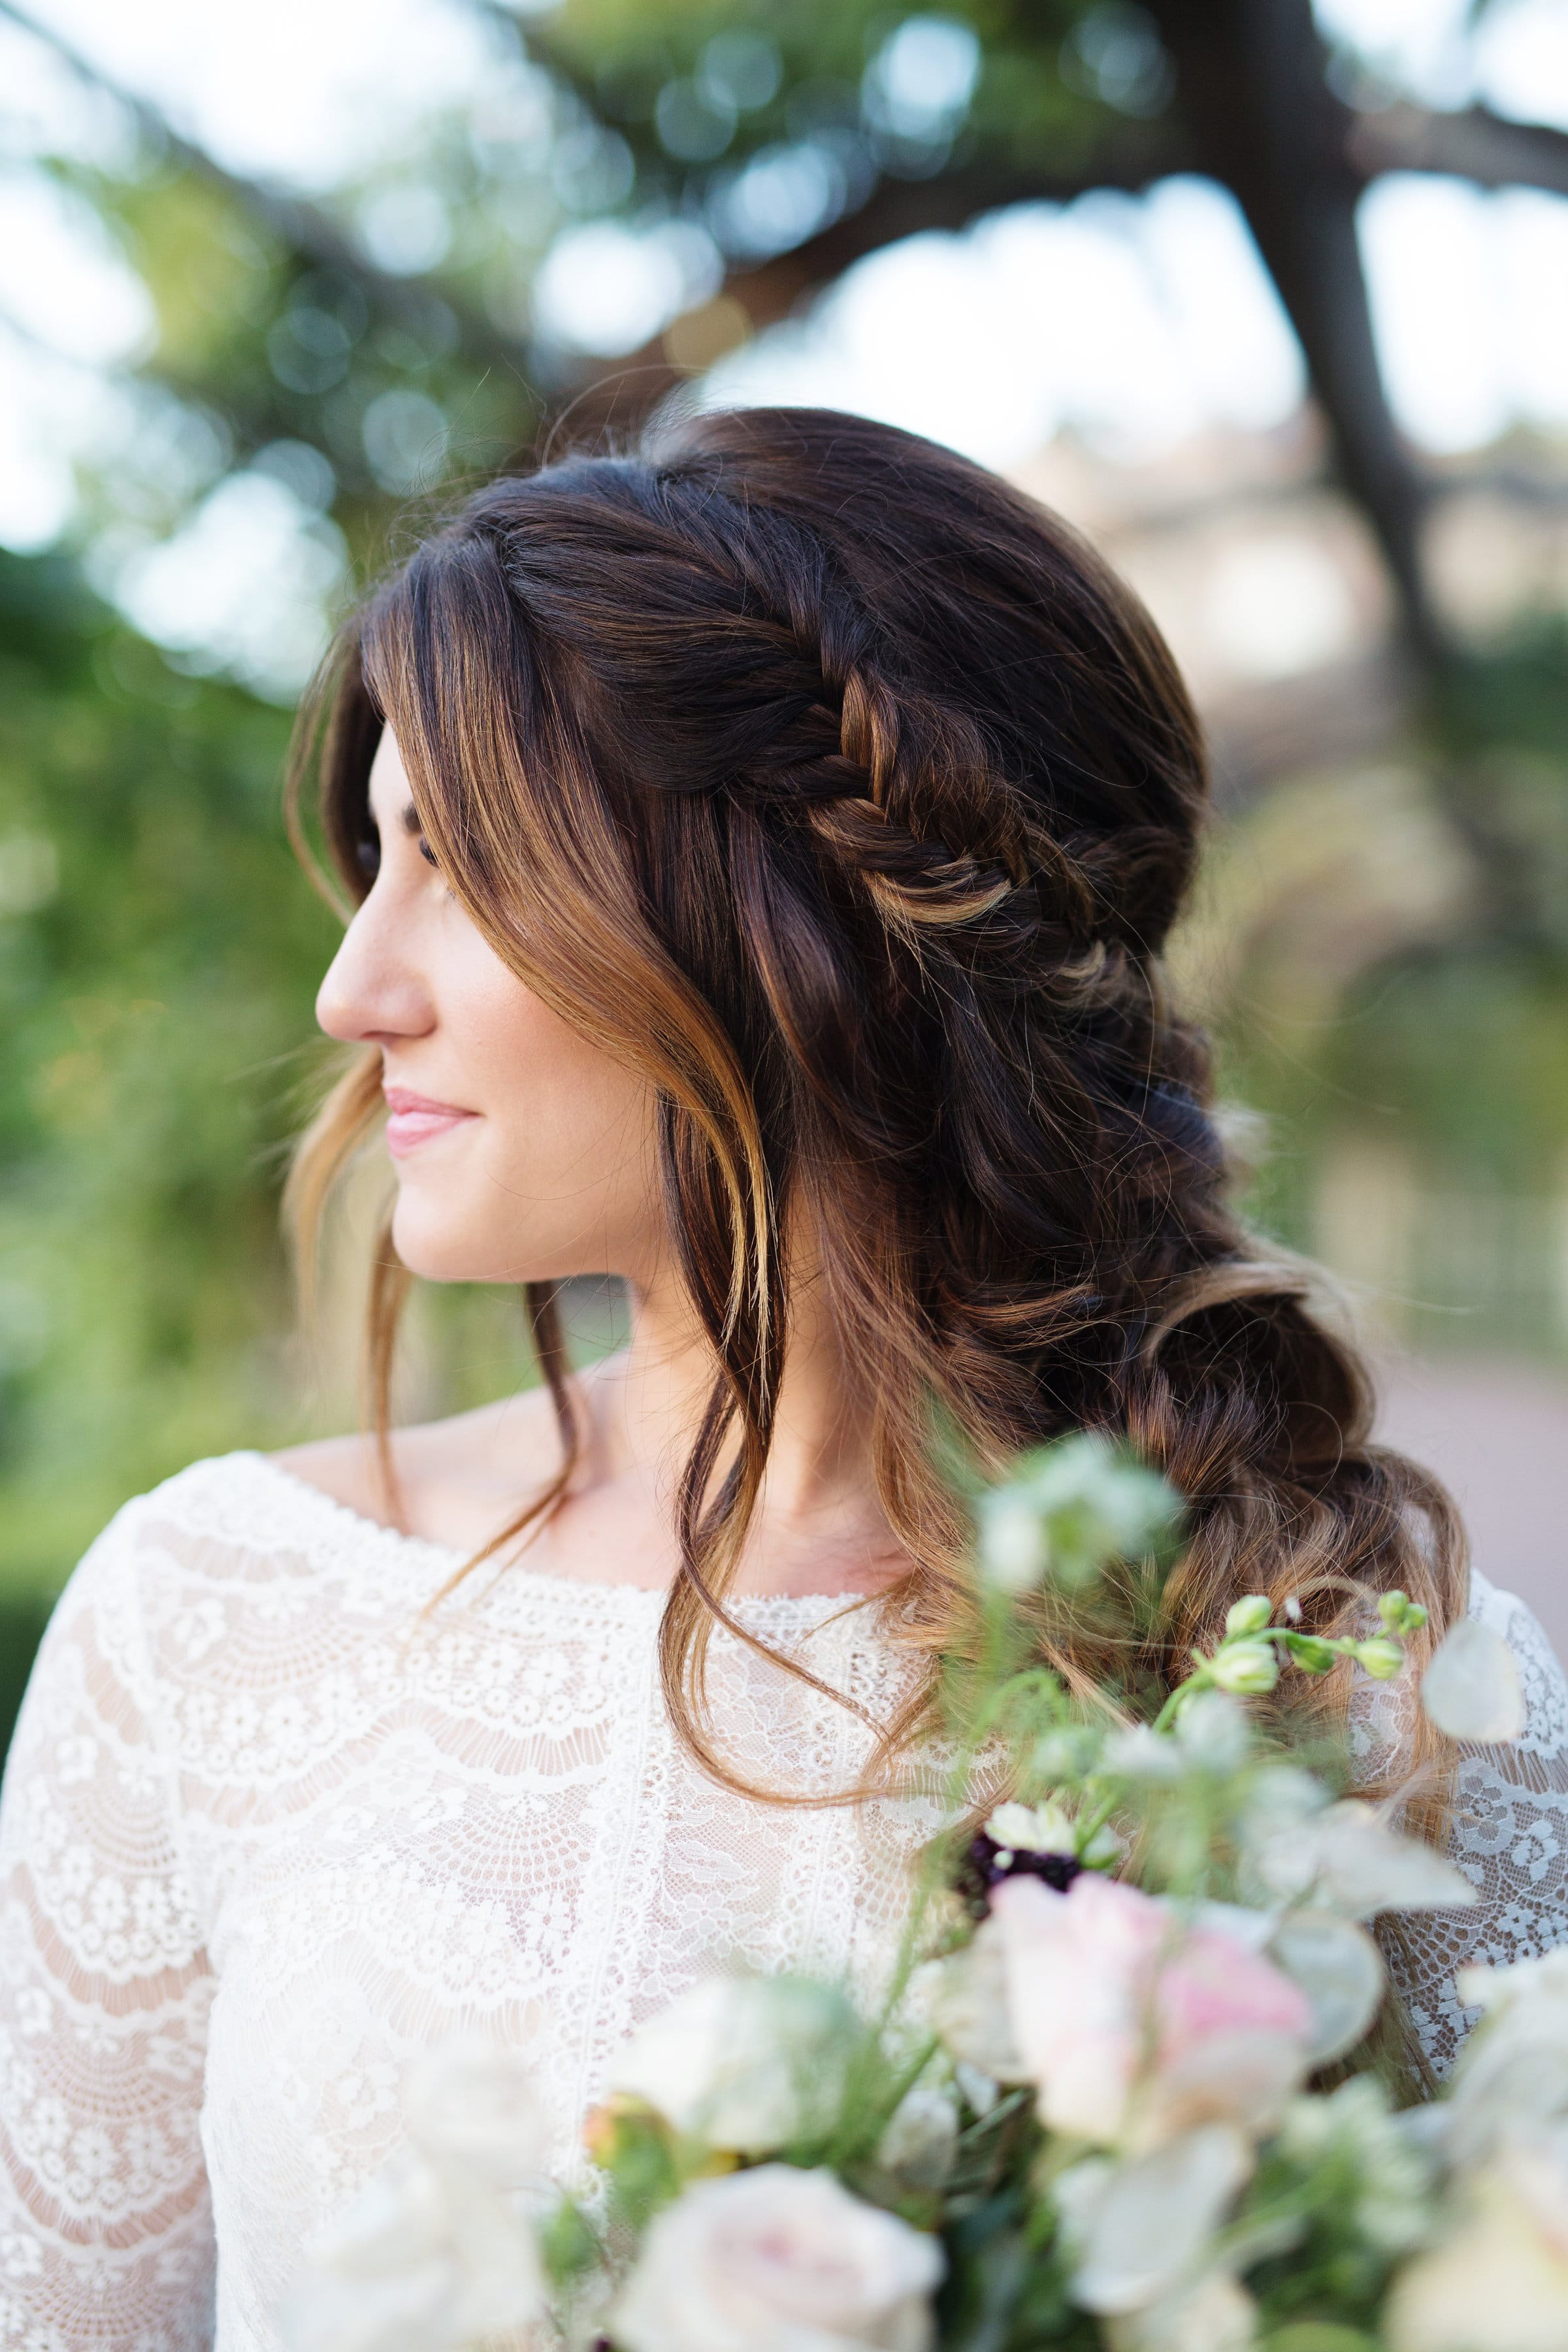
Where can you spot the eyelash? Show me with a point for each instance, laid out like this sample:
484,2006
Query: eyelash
368,854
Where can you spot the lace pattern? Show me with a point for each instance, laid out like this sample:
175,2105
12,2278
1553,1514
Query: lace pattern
1509,1834
269,1829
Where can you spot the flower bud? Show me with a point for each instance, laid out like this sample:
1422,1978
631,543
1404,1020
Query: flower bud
1212,1733
1247,1669
607,2127
1069,1510
1249,1615
1033,1829
1382,1657
1013,1541
1312,1655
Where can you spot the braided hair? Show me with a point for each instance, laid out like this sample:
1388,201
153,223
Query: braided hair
846,794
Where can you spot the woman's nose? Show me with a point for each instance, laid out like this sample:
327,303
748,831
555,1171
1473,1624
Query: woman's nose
371,991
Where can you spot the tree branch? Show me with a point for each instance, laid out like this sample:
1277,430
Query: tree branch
619,391
302,227
1476,145
1251,83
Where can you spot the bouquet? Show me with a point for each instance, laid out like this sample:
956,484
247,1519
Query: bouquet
1135,2083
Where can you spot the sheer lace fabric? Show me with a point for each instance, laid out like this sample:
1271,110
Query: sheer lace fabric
268,1831
1509,1834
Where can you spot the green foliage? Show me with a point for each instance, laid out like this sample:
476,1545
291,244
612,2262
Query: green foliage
623,53
642,2158
1452,1046
568,2244
1357,2187
157,965
159,952
272,325
23,1616
1003,2291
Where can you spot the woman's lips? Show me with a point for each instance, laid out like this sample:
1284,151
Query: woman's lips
414,1119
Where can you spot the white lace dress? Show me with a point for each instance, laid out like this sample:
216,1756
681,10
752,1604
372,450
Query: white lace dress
267,1830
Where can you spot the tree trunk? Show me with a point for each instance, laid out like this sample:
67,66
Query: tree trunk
1252,88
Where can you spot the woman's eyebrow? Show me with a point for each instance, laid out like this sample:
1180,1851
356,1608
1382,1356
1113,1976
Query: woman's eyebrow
411,820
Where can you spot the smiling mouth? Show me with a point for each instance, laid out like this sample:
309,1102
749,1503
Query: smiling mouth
416,1120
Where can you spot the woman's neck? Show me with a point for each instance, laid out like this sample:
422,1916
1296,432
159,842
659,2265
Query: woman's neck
817,1528
817,1511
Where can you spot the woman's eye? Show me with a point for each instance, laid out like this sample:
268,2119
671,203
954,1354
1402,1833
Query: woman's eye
426,853
368,854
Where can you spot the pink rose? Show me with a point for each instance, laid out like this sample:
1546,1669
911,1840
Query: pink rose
1133,2025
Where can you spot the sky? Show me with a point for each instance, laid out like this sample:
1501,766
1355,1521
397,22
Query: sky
1135,322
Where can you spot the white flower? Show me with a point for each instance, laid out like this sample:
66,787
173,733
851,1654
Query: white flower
1069,1510
1033,1829
917,2147
1471,1689
1211,1736
1339,1968
1497,1991
1214,2315
966,1998
1142,1753
1351,2129
1140,2230
438,2251
1279,1797
1013,1542
777,2259
1498,2280
472,2106
744,2063
1513,2072
1347,1860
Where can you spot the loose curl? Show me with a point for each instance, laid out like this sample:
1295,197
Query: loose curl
845,795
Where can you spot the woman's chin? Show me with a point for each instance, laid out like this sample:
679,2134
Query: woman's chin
440,1248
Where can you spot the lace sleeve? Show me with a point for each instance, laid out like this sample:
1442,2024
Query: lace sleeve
1510,1837
105,2234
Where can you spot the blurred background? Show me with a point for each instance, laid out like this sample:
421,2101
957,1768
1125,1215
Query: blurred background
1272,300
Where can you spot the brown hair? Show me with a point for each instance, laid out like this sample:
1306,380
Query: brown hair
844,792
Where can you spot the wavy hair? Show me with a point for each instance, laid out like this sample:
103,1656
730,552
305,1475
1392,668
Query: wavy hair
846,794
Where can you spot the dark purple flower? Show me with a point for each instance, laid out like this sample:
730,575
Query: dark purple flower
985,1864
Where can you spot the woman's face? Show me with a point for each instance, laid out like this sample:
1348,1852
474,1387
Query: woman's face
523,1153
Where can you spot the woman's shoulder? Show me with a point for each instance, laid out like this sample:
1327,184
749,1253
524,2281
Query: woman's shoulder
233,1574
458,1480
247,1521
328,1499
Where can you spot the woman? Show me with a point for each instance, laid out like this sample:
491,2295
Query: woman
759,853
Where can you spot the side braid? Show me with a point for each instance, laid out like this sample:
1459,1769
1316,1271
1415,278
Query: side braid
903,780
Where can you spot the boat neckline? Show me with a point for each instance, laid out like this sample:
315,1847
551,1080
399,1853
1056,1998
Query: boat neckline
333,1507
